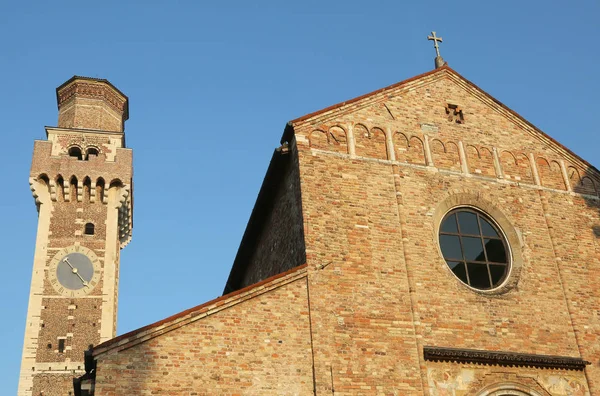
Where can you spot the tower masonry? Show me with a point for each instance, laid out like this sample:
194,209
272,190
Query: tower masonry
81,179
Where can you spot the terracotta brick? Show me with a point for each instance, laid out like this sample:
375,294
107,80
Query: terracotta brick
368,182
71,192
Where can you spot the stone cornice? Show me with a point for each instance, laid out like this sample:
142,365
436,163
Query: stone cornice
333,112
99,89
80,131
499,358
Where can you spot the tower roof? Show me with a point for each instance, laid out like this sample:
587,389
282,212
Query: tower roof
116,98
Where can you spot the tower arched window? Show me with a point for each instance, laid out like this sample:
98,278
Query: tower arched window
89,229
73,187
91,151
75,152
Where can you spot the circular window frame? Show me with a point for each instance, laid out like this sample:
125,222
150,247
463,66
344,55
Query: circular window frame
511,236
485,217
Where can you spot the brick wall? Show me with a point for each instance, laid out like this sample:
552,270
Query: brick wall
245,347
89,103
78,193
376,178
572,224
372,223
53,384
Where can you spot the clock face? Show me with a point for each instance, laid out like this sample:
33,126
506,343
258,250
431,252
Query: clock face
74,271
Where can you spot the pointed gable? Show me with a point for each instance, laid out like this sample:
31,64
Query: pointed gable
439,119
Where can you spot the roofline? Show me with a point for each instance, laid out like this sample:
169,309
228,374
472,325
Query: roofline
102,80
289,128
260,212
111,342
396,85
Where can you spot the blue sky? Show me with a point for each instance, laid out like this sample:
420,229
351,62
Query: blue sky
221,79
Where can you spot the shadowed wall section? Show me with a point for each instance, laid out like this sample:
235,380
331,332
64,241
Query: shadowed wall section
274,239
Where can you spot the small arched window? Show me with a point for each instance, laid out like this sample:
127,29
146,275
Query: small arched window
89,229
75,152
92,151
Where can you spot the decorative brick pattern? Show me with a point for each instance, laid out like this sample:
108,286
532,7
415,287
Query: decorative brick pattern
376,290
370,143
550,174
384,255
88,103
70,192
445,156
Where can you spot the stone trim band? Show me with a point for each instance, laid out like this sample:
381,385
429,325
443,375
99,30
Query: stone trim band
439,354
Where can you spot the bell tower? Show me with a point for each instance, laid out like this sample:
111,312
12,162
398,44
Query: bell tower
81,179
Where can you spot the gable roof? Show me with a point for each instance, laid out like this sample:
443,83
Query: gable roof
444,71
188,316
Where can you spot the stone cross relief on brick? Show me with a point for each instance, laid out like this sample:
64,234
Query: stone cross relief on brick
455,113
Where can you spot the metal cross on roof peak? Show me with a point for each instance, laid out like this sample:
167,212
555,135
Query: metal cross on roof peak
435,42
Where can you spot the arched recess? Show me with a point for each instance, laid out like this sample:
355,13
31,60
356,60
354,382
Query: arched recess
525,171
338,140
508,164
45,181
91,152
581,185
60,188
400,142
370,143
588,186
574,177
87,186
415,154
115,183
318,140
378,144
75,151
509,389
40,188
73,189
550,174
89,229
114,192
481,161
445,156
516,167
100,190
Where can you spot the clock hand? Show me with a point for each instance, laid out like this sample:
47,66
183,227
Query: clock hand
82,280
66,260
74,270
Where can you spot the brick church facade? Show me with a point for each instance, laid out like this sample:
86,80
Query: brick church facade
423,239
